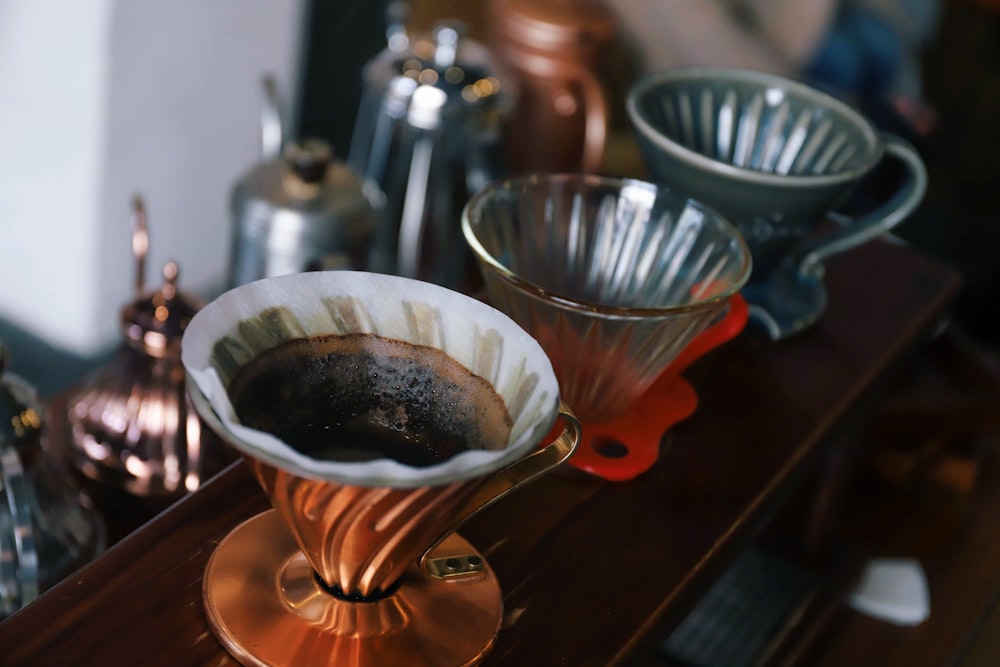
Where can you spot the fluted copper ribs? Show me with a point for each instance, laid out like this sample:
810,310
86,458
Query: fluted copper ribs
359,540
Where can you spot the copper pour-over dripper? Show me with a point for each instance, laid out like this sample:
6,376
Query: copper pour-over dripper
358,564
342,575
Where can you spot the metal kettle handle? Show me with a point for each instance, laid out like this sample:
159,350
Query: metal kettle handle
271,127
522,471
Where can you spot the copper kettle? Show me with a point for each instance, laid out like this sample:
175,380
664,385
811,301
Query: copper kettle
135,437
554,50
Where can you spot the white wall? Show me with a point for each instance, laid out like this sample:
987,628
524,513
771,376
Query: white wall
102,99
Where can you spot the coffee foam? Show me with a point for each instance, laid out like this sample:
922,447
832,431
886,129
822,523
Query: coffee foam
313,387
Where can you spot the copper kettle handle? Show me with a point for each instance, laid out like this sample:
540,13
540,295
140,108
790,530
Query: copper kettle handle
852,232
522,471
595,108
595,104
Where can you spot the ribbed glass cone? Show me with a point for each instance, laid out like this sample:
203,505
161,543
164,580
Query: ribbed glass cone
612,277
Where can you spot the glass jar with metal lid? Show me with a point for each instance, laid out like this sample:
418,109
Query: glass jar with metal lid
47,529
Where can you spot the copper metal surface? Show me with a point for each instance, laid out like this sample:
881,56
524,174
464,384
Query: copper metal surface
135,438
265,605
557,51
382,544
361,539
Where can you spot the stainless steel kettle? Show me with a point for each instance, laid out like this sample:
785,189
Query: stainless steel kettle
429,133
47,529
299,209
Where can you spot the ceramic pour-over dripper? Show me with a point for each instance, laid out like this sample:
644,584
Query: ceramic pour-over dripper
358,563
776,157
615,278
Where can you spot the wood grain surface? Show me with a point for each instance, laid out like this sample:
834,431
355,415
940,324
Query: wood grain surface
593,572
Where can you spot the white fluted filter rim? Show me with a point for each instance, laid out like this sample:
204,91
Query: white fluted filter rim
252,318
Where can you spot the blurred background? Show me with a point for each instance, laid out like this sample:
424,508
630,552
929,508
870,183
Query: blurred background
104,99
101,100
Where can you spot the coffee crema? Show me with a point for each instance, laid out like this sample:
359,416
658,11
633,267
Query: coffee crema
361,397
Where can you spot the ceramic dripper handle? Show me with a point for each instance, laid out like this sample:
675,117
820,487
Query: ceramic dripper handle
855,231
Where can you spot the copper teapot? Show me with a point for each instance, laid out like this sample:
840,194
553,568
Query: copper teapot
135,439
554,51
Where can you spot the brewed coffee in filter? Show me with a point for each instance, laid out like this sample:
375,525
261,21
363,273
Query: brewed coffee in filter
361,397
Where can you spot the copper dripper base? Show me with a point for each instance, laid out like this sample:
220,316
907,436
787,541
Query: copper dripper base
267,608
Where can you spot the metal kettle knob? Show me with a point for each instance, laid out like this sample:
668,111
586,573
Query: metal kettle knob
308,160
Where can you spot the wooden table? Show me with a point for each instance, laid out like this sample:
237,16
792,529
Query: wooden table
593,572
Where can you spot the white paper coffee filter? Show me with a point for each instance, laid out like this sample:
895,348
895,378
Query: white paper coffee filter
252,318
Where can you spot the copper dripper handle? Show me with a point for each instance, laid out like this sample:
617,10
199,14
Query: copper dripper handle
520,472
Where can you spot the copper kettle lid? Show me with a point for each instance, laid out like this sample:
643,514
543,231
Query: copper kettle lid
554,24
154,322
